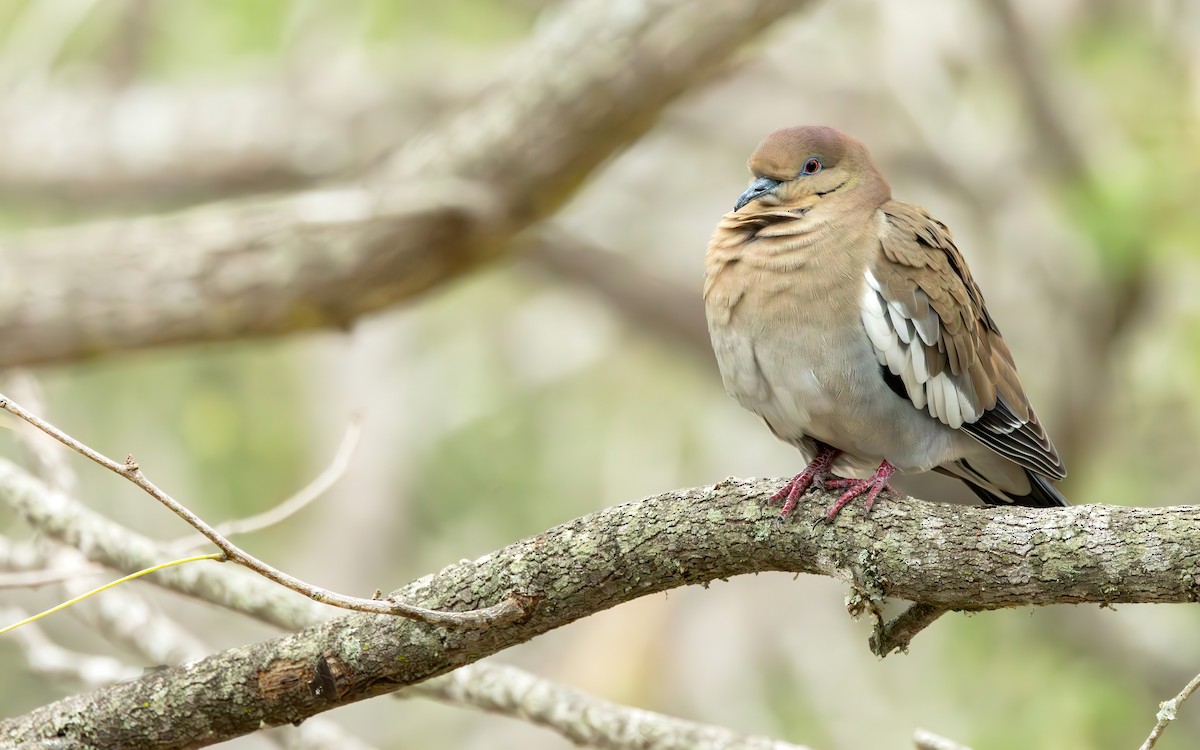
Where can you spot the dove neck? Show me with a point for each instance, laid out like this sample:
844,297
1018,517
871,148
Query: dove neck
785,240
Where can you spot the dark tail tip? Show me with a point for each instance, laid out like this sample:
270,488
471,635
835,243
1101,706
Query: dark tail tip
1042,494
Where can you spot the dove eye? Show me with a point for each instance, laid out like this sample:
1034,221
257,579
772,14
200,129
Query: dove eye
812,166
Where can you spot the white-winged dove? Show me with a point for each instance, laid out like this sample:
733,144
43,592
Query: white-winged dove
849,322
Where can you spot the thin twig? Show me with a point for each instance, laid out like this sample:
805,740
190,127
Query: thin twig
1167,711
98,539
511,608
294,504
75,600
122,616
41,454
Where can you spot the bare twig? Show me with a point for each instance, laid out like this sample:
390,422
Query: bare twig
102,540
511,607
294,504
237,592
217,556
581,718
1167,711
122,616
41,452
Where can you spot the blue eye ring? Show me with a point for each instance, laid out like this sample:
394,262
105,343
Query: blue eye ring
812,166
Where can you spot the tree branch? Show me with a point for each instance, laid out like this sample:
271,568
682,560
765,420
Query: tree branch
587,85
948,556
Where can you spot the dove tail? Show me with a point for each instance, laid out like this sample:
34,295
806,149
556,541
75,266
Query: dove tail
1042,494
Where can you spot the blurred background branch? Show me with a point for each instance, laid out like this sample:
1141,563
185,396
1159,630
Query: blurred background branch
161,146
659,307
582,719
323,259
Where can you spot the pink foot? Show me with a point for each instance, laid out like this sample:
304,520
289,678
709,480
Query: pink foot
872,487
816,473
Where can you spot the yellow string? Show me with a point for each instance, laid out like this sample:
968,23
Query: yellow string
219,556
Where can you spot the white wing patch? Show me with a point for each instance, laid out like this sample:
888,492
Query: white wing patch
899,337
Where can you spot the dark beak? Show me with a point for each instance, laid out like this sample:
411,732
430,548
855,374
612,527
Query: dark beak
761,187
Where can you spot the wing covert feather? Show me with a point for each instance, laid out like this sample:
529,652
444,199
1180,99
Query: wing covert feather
928,323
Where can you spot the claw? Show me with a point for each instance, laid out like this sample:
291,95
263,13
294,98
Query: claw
871,487
816,473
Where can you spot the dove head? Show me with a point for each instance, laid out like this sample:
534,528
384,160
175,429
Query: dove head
799,168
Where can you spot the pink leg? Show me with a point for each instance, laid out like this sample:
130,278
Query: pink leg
815,473
872,487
